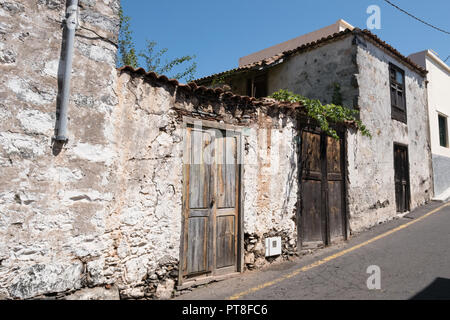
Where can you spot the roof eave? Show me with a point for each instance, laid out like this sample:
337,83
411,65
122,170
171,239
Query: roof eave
279,58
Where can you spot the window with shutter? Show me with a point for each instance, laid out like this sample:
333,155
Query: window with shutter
397,87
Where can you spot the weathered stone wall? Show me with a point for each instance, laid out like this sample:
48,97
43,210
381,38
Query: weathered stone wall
104,210
362,74
149,214
371,187
270,186
145,214
315,72
54,202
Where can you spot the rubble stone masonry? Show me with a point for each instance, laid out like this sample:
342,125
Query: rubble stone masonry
54,200
104,211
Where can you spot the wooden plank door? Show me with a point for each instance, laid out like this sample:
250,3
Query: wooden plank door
211,203
335,189
227,210
312,198
401,168
322,204
198,222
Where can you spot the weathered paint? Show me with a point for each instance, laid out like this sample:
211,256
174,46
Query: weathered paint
54,201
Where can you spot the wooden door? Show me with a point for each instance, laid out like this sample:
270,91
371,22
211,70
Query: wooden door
211,203
335,189
401,168
226,209
199,207
312,210
322,205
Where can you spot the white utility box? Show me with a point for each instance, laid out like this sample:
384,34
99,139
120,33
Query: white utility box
273,246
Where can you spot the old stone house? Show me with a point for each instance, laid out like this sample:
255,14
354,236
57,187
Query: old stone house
385,176
163,185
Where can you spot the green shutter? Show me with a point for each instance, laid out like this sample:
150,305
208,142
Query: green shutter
443,131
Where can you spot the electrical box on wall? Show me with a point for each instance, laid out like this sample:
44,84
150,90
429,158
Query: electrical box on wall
273,246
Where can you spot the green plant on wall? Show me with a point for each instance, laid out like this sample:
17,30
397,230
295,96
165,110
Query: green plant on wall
323,114
128,56
127,52
152,58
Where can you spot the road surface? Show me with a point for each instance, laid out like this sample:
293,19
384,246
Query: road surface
412,255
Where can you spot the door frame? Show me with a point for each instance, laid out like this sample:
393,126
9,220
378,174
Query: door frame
307,125
207,124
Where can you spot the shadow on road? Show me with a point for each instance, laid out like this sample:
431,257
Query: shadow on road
438,289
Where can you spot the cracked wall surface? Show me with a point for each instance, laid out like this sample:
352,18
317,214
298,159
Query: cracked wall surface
371,187
54,203
149,218
104,211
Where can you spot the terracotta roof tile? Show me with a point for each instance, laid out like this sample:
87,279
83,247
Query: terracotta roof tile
220,94
205,91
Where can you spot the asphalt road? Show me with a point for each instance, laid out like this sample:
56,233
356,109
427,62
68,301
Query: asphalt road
413,260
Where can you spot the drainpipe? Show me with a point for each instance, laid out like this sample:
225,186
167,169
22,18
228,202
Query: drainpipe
71,25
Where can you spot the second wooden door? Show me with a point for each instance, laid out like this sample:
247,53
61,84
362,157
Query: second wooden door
322,205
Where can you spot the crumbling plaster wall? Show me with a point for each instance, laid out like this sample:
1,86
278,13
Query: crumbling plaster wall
145,214
313,73
54,202
105,209
153,166
371,186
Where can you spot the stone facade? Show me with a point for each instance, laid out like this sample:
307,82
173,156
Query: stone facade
101,215
54,229
153,128
371,187
360,69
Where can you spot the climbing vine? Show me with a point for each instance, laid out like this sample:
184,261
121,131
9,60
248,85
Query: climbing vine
323,114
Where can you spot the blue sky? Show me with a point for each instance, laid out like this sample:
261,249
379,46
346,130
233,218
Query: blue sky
220,32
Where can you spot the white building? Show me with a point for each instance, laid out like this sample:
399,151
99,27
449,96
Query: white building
439,111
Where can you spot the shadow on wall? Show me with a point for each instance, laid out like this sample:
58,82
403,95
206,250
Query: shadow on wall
438,289
291,178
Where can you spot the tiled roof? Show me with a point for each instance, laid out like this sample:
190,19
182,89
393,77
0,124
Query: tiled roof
220,95
393,51
334,37
217,93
